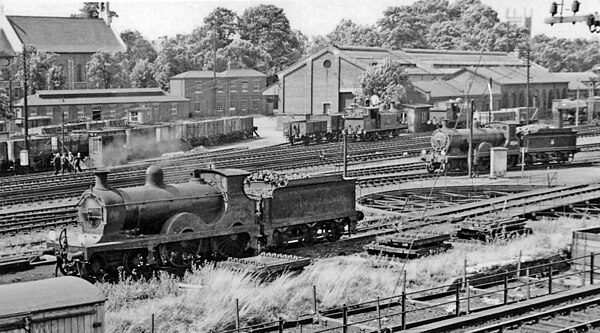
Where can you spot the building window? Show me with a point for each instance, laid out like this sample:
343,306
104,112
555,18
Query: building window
79,73
198,86
255,105
327,63
133,116
244,105
97,112
50,112
80,112
233,85
219,87
33,112
174,108
112,110
65,112
197,106
256,85
244,85
232,104
219,105
326,108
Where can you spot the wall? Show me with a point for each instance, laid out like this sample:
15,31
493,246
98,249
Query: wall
325,84
296,92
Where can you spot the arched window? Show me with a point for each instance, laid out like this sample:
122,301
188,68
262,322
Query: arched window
514,99
79,73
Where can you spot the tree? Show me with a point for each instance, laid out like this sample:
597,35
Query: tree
56,77
407,26
5,111
176,56
247,55
106,70
138,47
384,80
316,43
93,10
38,68
565,55
224,22
351,34
142,75
268,27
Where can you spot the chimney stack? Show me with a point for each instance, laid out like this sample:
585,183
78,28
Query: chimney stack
101,180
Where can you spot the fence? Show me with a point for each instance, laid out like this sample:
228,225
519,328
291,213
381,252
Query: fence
463,294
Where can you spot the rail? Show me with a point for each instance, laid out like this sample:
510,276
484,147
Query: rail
459,297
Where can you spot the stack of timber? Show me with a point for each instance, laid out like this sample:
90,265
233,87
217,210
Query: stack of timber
489,229
266,263
410,245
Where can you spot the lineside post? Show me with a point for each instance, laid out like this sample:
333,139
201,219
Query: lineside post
457,299
315,299
345,154
505,288
591,268
345,319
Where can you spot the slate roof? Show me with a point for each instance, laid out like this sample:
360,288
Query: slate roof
515,75
578,80
227,73
370,55
100,96
455,87
457,58
65,34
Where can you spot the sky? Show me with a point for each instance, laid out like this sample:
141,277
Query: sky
157,18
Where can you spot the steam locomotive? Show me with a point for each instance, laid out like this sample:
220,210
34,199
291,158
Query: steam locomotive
360,123
450,146
160,226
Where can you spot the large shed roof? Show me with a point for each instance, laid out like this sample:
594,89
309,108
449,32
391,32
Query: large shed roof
100,96
65,34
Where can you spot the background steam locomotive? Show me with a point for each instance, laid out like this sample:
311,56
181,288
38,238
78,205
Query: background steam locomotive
450,146
165,226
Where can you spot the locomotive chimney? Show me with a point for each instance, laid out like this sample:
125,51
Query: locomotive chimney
101,180
154,176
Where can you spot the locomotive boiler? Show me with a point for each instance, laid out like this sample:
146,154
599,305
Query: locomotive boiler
450,146
161,226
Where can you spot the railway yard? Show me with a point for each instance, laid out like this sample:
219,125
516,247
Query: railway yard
411,219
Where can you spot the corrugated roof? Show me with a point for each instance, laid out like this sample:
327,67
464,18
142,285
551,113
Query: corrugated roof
228,73
55,293
65,34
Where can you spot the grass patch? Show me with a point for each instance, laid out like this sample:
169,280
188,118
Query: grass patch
339,280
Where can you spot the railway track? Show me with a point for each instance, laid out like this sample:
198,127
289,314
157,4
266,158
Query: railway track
583,316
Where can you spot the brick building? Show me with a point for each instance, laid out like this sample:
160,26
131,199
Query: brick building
238,92
102,104
327,80
543,85
75,40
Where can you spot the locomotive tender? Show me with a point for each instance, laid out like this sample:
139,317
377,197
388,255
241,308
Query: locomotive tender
450,146
164,226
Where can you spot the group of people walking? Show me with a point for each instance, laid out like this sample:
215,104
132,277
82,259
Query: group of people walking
67,163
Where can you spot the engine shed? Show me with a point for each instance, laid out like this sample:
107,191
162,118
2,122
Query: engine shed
65,304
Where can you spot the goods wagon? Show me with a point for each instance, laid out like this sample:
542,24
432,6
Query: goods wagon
64,304
216,214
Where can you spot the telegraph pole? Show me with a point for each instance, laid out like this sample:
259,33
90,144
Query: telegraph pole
215,70
527,88
470,122
25,113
